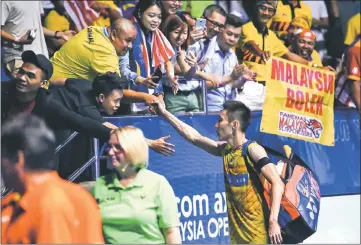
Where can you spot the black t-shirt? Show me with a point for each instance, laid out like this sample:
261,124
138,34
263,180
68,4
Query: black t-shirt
77,96
65,108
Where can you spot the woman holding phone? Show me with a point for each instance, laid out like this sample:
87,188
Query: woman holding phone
150,56
189,96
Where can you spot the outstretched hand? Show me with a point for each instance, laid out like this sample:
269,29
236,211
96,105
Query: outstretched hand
161,146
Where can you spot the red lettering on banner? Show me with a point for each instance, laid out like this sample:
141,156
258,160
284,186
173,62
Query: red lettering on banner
310,76
295,80
319,105
319,84
278,69
303,81
290,96
288,73
328,83
301,101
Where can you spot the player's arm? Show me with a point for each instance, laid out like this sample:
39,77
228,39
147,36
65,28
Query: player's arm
189,133
268,169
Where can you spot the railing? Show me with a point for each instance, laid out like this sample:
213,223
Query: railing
94,161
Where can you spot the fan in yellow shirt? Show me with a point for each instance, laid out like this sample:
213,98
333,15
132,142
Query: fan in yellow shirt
256,46
286,12
353,29
303,44
92,51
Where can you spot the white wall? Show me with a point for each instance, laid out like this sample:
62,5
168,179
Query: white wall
339,220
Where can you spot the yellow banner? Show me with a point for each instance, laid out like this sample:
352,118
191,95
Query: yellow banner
299,102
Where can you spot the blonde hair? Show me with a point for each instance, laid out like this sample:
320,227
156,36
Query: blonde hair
134,144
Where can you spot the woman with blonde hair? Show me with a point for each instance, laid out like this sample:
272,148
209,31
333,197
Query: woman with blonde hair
137,205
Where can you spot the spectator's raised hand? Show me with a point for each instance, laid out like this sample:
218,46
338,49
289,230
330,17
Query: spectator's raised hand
191,59
101,8
161,146
249,75
197,34
148,82
265,55
173,81
237,71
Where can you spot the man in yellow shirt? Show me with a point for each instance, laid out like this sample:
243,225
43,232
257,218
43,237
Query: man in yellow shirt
286,12
256,45
248,223
304,45
353,29
92,51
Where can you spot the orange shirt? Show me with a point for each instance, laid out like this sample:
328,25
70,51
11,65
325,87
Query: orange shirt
52,210
353,61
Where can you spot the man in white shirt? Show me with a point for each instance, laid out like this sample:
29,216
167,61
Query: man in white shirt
221,60
319,24
18,18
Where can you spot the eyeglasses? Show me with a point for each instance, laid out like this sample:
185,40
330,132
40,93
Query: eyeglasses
216,24
265,8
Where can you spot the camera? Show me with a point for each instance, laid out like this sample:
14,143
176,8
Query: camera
32,34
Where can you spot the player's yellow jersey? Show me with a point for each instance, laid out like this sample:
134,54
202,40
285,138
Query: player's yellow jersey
244,203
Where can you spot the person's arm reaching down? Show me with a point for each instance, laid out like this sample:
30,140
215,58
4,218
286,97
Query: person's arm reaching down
268,169
65,118
159,145
189,133
131,96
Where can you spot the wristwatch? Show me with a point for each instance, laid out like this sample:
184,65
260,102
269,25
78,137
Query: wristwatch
158,93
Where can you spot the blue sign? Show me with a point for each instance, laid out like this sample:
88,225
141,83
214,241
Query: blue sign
197,177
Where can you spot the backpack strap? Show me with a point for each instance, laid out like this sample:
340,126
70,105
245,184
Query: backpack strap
253,175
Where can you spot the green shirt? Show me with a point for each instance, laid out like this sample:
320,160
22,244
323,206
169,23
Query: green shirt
136,214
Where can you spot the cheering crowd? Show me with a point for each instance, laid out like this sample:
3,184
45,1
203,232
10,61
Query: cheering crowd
68,64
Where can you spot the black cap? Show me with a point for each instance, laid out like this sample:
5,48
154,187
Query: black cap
40,61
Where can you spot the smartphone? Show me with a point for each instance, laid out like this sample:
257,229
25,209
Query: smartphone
155,79
32,34
201,23
157,75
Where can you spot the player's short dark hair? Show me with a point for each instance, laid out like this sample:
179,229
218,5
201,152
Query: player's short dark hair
30,135
106,83
233,20
236,110
208,11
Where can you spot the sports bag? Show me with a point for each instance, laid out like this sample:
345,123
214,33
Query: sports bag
300,204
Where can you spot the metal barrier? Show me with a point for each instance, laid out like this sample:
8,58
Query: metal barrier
94,159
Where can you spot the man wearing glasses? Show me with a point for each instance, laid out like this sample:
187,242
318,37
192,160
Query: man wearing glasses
216,18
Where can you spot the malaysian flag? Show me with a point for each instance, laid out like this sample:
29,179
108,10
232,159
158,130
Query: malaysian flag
81,13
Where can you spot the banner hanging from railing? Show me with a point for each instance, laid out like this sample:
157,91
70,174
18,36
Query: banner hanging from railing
299,102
